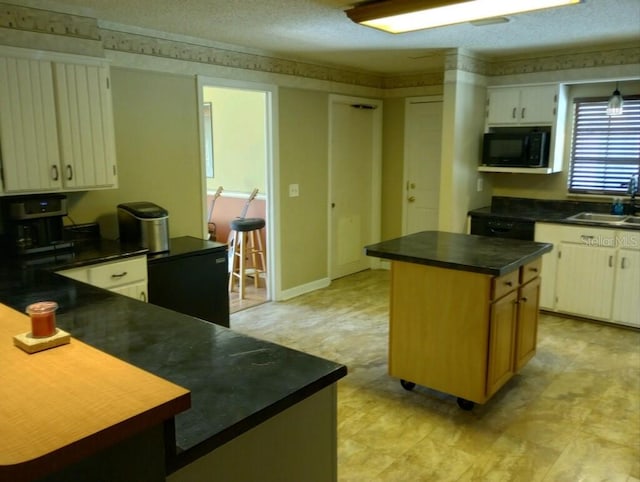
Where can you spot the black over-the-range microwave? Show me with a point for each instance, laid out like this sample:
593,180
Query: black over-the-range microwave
516,149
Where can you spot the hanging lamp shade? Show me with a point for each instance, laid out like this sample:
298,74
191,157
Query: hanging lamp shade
614,107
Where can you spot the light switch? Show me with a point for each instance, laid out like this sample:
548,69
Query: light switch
294,190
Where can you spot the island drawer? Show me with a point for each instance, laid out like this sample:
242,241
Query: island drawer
502,285
118,273
530,270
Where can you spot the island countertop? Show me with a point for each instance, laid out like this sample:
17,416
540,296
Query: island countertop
466,252
236,381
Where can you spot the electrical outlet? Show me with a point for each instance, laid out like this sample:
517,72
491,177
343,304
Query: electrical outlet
294,190
479,184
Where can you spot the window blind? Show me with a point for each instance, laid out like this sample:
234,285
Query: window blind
606,150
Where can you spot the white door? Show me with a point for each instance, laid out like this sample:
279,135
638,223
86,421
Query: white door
355,134
423,137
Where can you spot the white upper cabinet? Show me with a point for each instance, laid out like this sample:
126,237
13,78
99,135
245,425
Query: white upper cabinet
56,123
85,125
534,105
28,130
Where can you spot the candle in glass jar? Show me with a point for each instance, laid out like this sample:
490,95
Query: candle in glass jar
43,318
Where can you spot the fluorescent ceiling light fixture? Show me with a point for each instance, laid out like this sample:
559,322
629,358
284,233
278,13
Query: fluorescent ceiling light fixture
397,16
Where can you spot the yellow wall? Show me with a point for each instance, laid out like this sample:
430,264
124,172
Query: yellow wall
392,167
304,139
157,147
239,139
462,126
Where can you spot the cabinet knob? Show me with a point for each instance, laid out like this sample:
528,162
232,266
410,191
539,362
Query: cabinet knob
411,199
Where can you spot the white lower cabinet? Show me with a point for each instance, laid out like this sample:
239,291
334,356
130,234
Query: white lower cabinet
626,299
584,283
127,277
591,272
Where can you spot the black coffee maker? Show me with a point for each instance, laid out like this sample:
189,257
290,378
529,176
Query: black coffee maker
33,224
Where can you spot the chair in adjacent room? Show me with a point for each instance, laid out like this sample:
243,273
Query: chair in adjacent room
246,245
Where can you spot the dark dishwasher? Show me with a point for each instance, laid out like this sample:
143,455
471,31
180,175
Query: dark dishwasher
191,278
500,227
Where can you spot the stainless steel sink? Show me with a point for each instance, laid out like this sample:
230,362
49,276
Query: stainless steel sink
599,218
632,220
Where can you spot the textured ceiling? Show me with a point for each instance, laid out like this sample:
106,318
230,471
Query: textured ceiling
318,30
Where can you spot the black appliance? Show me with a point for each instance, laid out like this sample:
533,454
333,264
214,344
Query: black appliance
191,278
500,227
516,149
33,224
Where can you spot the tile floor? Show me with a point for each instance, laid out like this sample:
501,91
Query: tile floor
572,414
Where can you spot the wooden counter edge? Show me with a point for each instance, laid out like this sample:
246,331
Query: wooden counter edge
169,400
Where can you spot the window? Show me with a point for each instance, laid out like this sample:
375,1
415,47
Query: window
606,150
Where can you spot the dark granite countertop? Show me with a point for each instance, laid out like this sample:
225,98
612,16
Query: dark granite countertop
548,211
185,246
466,252
236,381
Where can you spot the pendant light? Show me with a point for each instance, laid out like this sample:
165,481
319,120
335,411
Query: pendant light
614,107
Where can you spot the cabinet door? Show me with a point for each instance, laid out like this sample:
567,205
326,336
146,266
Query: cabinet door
527,327
504,106
137,291
502,331
538,105
28,129
626,300
85,125
585,280
548,233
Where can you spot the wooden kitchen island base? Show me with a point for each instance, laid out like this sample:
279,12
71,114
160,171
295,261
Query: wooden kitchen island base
463,320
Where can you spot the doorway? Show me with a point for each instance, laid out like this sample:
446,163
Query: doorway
422,147
355,138
238,155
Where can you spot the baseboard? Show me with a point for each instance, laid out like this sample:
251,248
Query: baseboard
305,288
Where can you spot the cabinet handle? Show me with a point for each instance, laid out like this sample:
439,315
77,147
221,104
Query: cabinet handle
623,263
54,172
524,299
535,270
69,172
143,296
513,114
610,261
119,275
509,283
522,114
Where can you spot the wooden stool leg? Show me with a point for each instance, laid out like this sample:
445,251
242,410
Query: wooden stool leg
261,253
241,271
233,261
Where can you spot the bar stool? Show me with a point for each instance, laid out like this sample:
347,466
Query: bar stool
247,242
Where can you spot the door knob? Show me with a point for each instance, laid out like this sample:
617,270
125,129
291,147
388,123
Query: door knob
411,199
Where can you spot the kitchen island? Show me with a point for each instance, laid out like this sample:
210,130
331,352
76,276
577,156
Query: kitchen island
464,310
258,411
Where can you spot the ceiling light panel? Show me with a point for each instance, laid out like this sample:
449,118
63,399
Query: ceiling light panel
411,15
